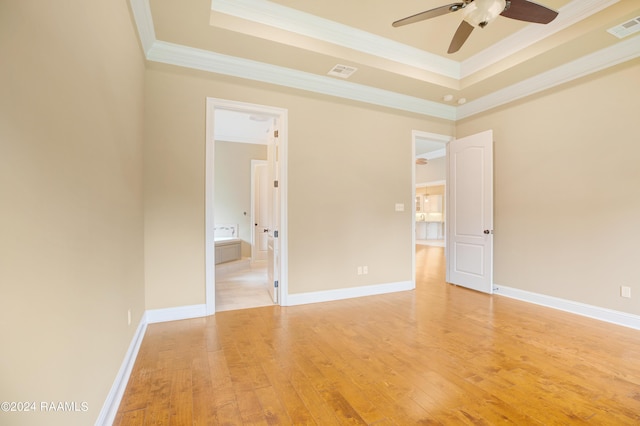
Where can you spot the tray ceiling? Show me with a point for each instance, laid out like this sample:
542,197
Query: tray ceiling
295,43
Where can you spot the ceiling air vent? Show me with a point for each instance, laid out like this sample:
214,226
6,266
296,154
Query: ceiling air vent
343,71
626,28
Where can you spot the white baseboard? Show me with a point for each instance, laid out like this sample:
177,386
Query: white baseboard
348,293
112,403
175,314
602,314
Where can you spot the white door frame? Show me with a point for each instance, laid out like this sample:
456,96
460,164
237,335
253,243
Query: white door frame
415,134
211,105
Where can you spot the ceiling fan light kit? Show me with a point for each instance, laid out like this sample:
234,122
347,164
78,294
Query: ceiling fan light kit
479,13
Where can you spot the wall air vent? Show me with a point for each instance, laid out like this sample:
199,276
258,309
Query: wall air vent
626,28
343,71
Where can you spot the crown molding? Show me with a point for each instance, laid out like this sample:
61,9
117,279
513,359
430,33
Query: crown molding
144,21
433,154
573,12
160,51
292,20
204,60
604,58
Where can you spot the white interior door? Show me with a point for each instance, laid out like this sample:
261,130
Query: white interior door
470,212
273,242
260,210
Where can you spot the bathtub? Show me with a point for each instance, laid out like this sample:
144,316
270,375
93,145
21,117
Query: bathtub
228,245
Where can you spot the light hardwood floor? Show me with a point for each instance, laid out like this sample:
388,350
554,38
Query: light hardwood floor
438,355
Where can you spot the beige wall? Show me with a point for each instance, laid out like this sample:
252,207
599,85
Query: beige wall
567,189
71,78
79,235
233,186
348,166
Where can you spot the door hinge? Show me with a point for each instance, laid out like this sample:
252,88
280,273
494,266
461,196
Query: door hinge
275,183
275,133
275,234
275,284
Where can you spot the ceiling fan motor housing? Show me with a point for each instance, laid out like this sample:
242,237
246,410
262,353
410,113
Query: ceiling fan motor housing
481,12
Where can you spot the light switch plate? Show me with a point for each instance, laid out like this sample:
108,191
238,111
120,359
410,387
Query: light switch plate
399,207
625,291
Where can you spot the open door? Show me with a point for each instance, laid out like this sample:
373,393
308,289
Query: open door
260,210
273,242
470,212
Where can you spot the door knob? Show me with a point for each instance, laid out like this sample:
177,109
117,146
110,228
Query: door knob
486,231
265,230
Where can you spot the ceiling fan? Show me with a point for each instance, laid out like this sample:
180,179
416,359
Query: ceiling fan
478,13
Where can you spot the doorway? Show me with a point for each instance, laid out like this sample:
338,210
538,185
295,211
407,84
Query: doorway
428,182
431,213
241,274
242,123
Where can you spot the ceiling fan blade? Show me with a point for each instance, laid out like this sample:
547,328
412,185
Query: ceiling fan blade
524,10
432,13
462,34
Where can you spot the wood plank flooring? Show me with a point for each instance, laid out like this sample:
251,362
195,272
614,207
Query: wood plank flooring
438,355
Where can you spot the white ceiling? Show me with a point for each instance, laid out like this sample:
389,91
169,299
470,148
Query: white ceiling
243,127
429,149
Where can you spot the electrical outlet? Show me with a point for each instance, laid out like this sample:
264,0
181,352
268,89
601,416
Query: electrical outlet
365,270
359,270
129,317
625,291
